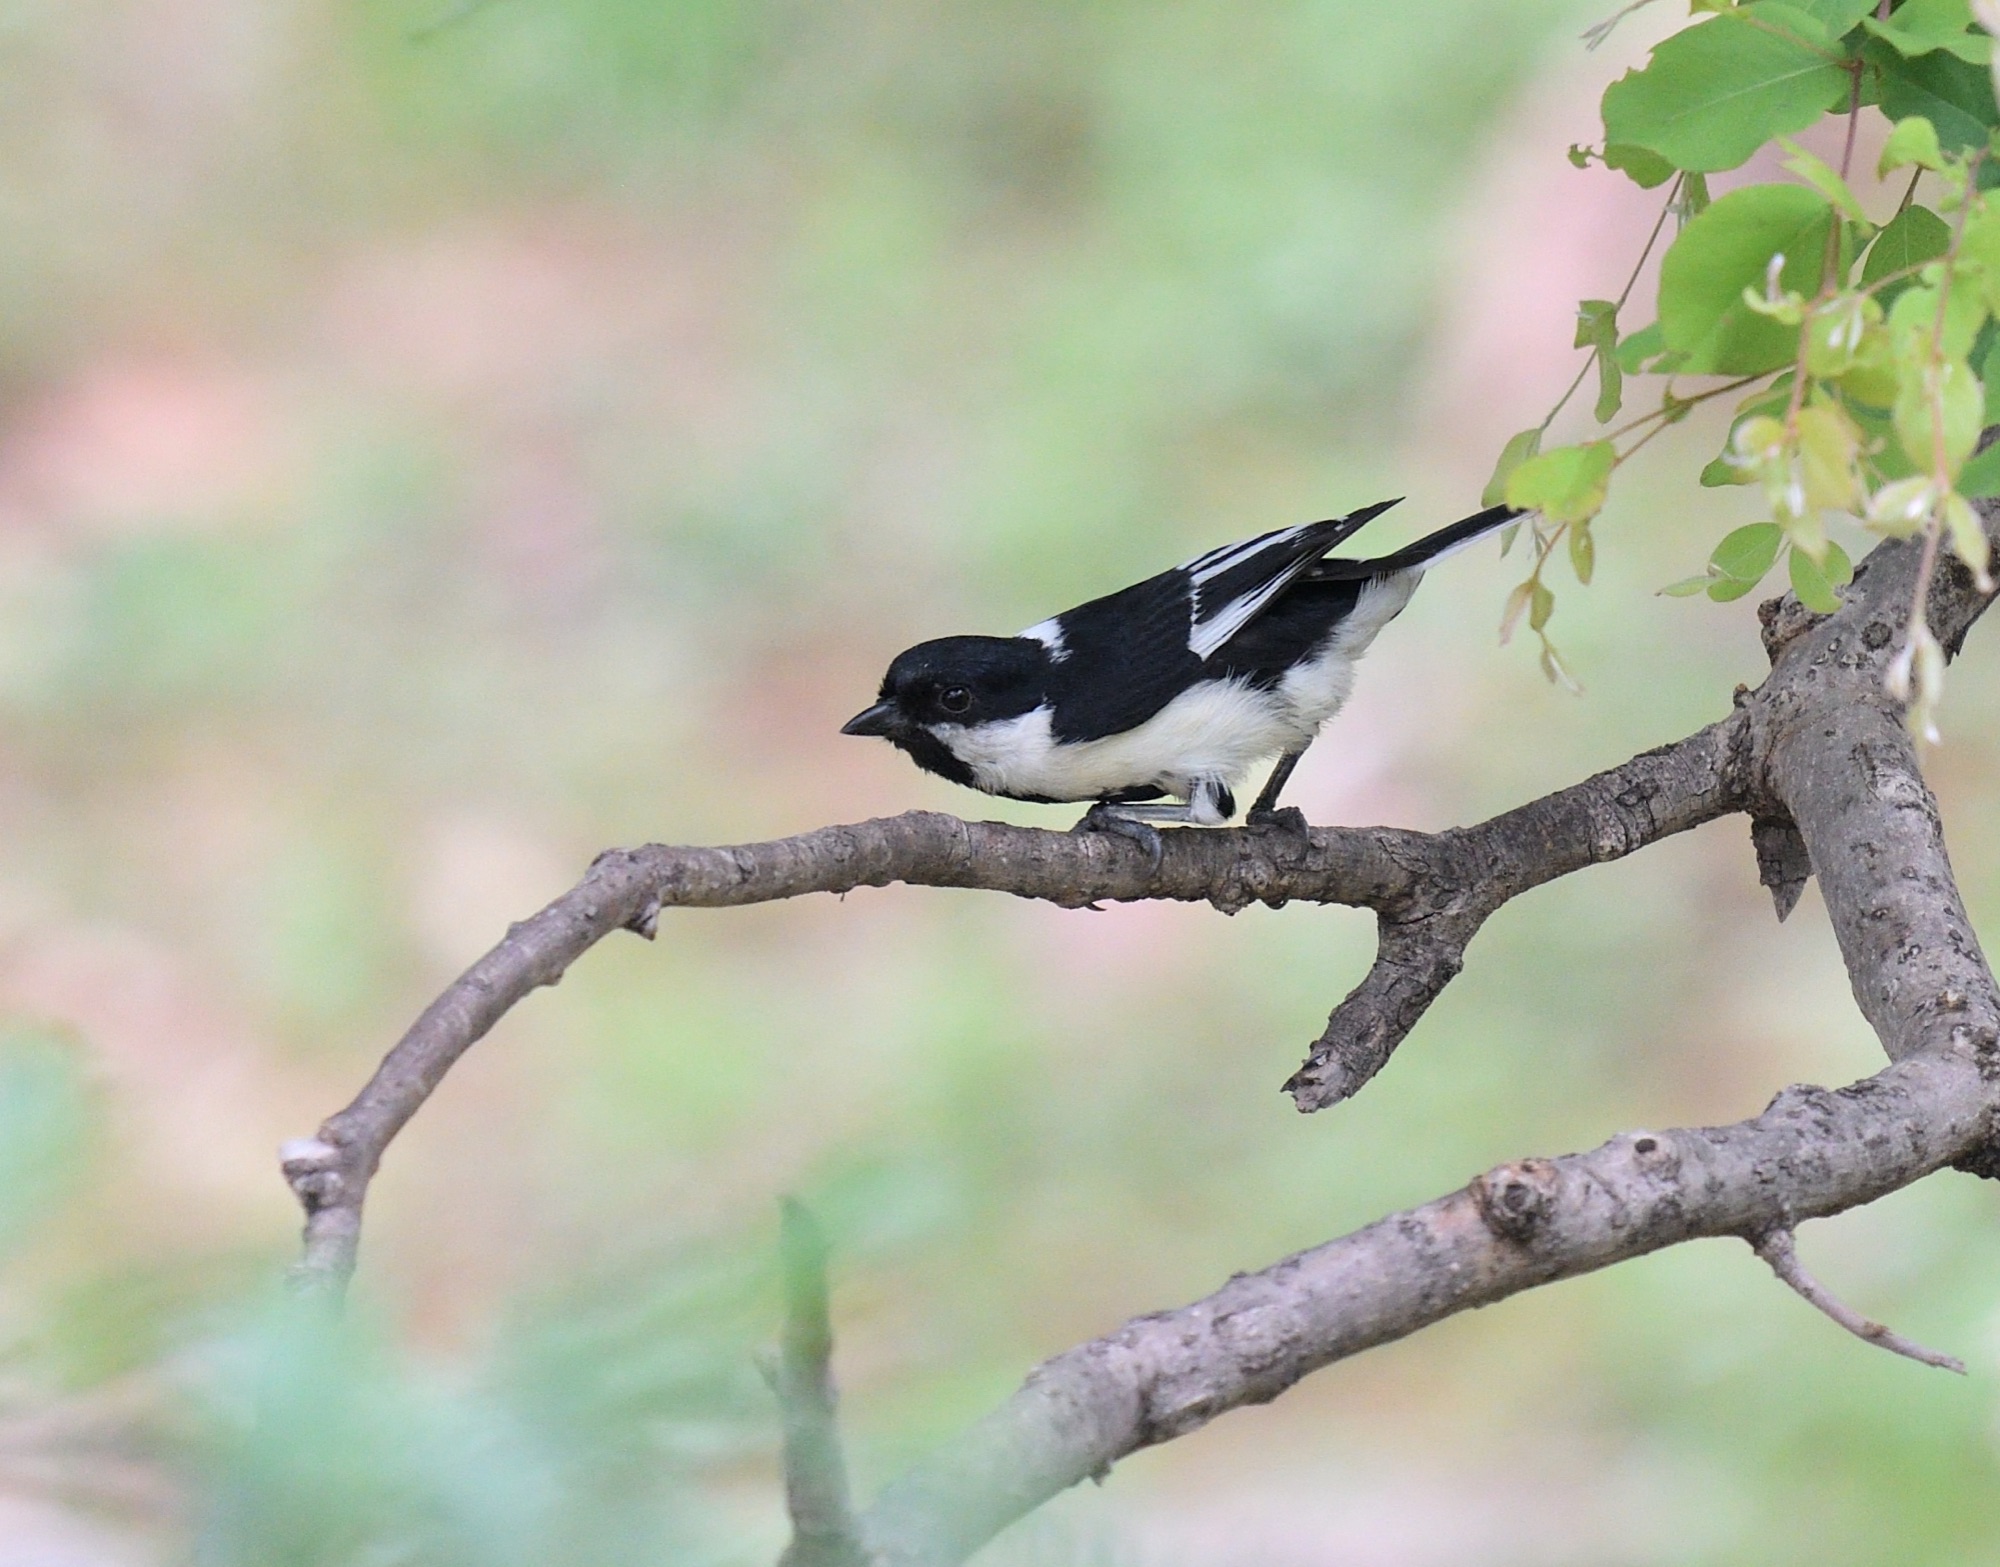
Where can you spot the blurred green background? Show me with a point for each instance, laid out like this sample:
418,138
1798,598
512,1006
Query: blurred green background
440,440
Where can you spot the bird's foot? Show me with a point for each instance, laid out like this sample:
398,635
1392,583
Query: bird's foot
1106,819
1289,820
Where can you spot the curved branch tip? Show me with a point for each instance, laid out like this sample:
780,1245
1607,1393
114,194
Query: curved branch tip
1775,1245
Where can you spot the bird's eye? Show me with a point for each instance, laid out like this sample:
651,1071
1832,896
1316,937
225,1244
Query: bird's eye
954,699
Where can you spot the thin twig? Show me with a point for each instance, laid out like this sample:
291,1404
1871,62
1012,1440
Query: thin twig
1625,293
1597,32
1853,116
1775,1246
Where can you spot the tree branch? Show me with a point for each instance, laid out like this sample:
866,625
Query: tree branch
1813,1152
1828,751
1430,891
1819,749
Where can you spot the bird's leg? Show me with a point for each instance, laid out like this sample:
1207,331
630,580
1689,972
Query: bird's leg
1209,804
1123,821
1265,812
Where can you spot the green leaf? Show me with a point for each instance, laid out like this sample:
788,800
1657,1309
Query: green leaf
1645,344
1968,539
1825,179
1596,324
1713,94
1836,333
1582,553
1904,506
1687,587
1720,471
1647,169
1838,569
1519,449
1919,26
1980,477
1811,586
1728,249
1541,605
1723,589
1556,671
1836,17
1610,388
1915,235
1979,247
1564,485
1746,554
1951,386
1913,320
1956,97
1911,141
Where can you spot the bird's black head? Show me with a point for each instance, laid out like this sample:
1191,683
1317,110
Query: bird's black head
953,681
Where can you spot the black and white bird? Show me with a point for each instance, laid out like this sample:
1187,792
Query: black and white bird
1174,687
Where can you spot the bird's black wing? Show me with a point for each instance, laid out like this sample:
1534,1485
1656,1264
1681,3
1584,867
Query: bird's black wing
1118,660
1323,594
1121,658
1233,585
1287,632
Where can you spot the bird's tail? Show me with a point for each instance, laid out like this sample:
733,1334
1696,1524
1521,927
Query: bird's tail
1425,551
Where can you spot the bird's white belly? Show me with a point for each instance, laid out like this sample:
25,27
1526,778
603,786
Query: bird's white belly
1217,730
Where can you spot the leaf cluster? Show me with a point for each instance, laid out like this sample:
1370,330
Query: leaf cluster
1861,353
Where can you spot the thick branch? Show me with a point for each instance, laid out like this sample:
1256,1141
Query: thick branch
1813,1152
1838,759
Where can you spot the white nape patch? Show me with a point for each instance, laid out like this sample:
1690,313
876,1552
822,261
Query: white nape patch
1049,634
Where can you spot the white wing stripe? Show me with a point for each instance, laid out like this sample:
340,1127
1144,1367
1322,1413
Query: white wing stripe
1207,567
1210,633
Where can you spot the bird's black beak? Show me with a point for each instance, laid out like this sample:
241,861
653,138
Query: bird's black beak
877,720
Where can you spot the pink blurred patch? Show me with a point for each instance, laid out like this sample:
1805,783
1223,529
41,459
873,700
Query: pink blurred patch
133,443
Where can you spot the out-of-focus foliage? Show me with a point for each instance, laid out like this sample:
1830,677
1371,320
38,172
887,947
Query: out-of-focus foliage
438,441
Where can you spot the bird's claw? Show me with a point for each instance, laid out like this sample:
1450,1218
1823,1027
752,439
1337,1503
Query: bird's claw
1101,818
1289,820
